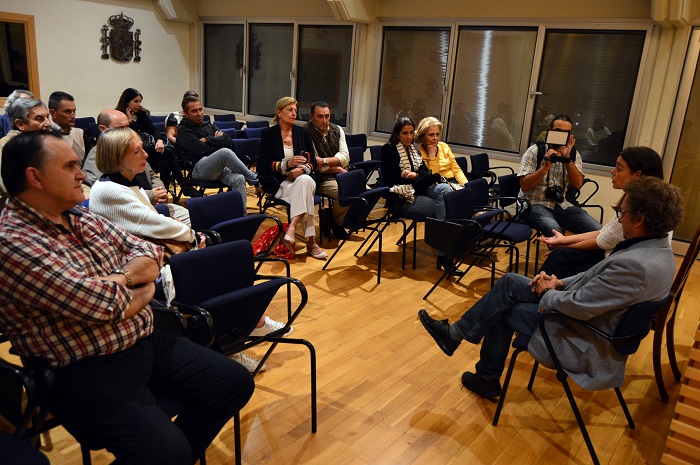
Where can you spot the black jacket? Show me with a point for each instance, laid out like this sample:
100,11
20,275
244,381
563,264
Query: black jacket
272,150
191,148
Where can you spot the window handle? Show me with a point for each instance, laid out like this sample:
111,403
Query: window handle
533,92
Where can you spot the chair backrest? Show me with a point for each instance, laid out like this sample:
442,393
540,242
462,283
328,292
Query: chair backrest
463,164
230,132
375,152
509,187
228,124
160,126
257,124
357,140
206,211
480,187
207,118
637,321
353,184
248,147
83,123
253,133
201,275
158,118
454,239
94,130
691,255
225,117
356,154
480,162
459,204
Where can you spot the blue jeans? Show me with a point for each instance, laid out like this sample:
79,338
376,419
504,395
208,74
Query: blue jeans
223,165
509,307
430,203
573,219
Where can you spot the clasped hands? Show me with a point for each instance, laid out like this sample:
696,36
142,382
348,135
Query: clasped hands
542,282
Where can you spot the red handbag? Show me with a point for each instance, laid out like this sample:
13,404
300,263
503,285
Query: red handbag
267,238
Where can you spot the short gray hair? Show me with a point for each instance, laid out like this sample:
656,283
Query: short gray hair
21,107
16,95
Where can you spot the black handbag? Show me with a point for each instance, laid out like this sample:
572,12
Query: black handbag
422,184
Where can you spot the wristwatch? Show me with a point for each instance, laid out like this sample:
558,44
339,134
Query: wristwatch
126,274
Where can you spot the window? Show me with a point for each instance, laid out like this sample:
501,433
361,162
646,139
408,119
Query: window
223,66
490,92
323,72
412,80
591,76
270,49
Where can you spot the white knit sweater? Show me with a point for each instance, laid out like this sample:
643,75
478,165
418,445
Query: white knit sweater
121,205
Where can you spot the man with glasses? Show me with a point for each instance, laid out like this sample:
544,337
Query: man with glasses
640,269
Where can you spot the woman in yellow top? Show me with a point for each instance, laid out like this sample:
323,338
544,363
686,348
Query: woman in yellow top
437,155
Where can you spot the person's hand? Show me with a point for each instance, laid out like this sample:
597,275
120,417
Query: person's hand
409,174
129,114
202,241
554,241
543,281
295,173
565,150
160,146
160,195
203,140
298,160
218,133
432,150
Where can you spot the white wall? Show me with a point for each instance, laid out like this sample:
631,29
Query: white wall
68,51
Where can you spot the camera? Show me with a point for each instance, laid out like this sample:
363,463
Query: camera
557,158
555,193
556,139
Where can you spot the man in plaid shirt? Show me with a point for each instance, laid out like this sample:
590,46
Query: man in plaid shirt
74,293
547,213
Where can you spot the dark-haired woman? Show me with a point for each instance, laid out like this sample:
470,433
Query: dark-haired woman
161,157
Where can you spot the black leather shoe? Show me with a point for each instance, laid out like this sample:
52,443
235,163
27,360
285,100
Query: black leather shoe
338,231
190,191
444,263
484,387
439,331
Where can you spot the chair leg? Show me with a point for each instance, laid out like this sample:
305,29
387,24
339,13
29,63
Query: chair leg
506,383
623,404
671,346
532,375
237,437
579,419
656,357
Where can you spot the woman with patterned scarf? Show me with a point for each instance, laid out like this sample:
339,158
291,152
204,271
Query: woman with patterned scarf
410,181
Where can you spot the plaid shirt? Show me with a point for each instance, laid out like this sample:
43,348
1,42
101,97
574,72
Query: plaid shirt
528,165
54,304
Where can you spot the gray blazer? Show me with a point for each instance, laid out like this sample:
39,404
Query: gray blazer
642,272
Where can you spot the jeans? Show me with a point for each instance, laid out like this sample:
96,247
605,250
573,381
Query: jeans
110,401
430,203
223,165
573,219
509,307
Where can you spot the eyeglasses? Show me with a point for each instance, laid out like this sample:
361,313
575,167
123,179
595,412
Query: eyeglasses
619,212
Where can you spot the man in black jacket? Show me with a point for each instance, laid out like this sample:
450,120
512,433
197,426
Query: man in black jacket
203,144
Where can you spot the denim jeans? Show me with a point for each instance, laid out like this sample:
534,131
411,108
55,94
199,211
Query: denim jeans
509,307
223,165
430,203
573,219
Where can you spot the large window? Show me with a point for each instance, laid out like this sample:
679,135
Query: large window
490,87
323,72
495,73
414,66
18,61
248,67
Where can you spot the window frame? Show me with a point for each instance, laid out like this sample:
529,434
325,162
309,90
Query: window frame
30,42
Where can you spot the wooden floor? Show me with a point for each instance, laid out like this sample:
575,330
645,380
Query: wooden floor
388,395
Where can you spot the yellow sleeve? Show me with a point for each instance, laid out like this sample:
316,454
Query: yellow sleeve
454,167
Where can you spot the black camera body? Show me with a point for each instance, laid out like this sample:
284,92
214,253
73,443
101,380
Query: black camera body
555,193
557,158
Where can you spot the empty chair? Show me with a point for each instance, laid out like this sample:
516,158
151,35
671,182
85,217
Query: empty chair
246,149
481,167
257,124
231,132
253,133
84,123
228,124
224,117
357,162
158,119
160,126
352,193
357,140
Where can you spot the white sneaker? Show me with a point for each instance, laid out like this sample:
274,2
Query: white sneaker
250,363
269,326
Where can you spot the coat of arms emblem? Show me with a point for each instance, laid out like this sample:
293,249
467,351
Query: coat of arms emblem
123,44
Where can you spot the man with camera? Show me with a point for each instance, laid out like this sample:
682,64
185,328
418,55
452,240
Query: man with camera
550,175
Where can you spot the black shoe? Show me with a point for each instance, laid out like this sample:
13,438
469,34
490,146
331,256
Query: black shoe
444,263
484,387
191,191
339,231
439,331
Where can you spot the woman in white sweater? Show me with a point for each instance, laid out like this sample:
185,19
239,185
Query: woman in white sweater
118,196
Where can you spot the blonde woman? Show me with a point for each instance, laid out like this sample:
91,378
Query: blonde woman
285,154
437,155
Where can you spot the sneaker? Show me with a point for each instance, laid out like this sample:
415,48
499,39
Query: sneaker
482,386
270,326
250,363
439,331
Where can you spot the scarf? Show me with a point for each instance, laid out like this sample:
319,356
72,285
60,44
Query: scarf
407,161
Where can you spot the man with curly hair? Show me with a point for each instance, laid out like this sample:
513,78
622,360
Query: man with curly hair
640,269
